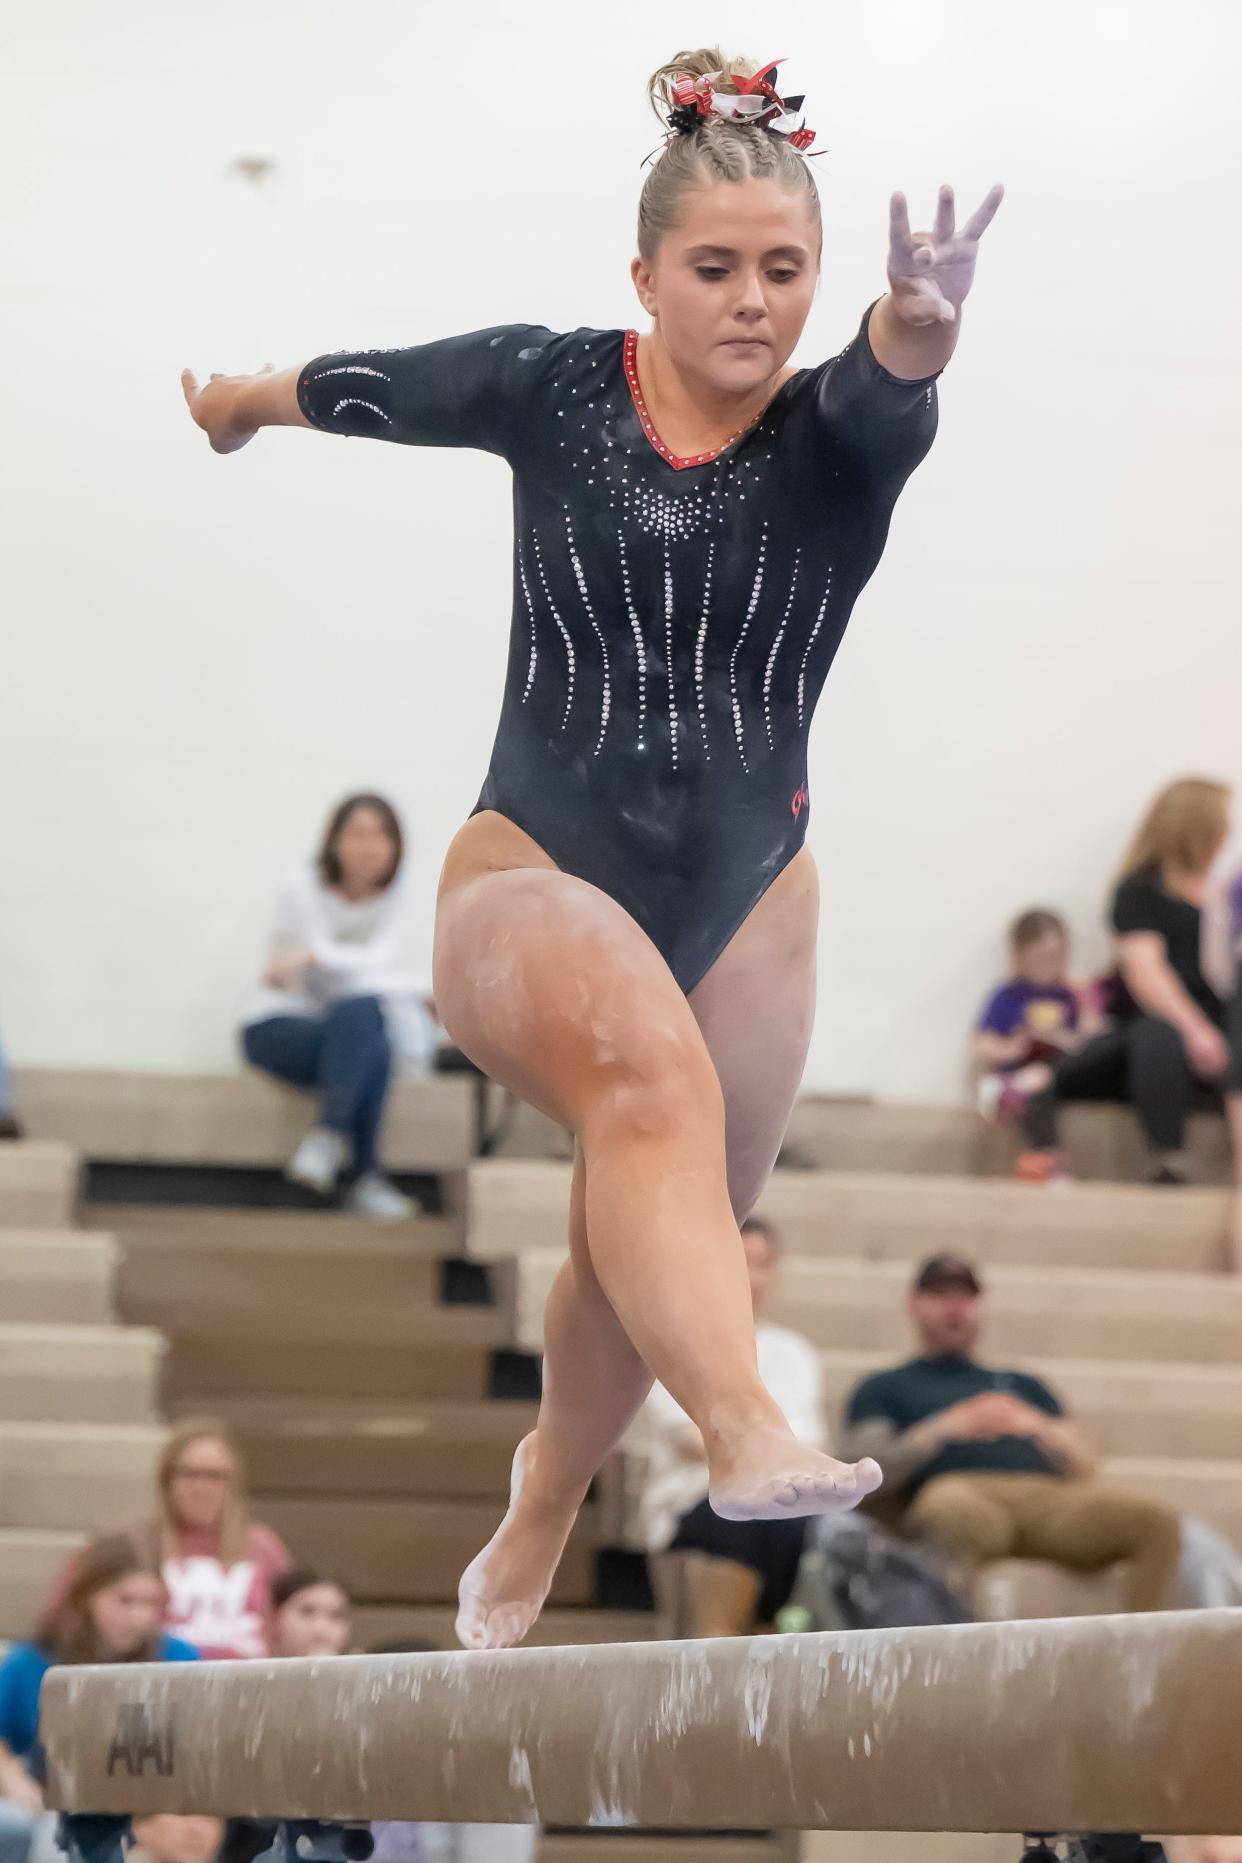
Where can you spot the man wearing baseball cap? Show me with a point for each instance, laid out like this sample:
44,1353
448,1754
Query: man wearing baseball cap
989,1465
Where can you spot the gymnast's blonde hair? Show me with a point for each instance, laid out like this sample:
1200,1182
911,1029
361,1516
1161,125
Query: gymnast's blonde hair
719,149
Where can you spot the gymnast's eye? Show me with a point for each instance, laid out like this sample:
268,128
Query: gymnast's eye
783,277
710,274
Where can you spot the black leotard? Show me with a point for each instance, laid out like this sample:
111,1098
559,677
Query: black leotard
673,620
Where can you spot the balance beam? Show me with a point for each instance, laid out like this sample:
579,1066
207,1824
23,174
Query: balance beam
1077,1724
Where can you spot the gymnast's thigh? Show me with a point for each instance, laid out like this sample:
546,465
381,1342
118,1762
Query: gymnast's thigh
756,1008
552,989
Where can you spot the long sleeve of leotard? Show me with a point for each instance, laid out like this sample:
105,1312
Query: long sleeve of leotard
471,390
878,423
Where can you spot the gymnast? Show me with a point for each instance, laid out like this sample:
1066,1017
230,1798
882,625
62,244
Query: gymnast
626,925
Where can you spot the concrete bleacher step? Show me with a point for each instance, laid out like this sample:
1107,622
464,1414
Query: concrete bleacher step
658,1847
908,1847
514,1205
261,1303
1103,1142
1041,1312
206,1370
999,1224
56,1275
77,1475
30,1559
1031,1313
1126,1409
101,1374
411,1552
433,1623
337,1287
194,1228
837,1133
1213,1490
230,1119
38,1184
452,1450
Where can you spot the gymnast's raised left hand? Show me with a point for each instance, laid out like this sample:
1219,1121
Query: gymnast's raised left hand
930,274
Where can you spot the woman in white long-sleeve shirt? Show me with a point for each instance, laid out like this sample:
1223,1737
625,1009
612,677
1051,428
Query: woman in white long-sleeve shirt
340,998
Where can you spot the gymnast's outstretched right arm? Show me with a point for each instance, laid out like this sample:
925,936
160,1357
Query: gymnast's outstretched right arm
476,390
230,409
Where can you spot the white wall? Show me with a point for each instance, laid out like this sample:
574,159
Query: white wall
200,654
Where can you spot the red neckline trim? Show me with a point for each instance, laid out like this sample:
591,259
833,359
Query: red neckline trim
630,356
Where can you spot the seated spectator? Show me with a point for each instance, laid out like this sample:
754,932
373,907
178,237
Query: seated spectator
218,1567
310,1615
753,1564
1222,966
107,1610
988,1464
1168,1035
10,1127
341,1000
1032,1019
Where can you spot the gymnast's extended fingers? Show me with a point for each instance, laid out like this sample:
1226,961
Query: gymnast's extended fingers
981,219
943,229
899,227
189,386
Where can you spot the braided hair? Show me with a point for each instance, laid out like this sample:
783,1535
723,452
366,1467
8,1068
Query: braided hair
717,148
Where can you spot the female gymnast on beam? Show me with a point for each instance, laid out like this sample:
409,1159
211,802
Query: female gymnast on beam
626,925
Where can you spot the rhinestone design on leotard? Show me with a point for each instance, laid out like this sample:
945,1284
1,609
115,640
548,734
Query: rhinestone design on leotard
354,368
700,647
570,656
580,579
668,654
776,647
756,589
356,401
640,649
811,639
530,616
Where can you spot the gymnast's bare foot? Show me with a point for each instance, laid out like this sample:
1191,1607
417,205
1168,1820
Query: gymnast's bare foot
765,1473
502,1591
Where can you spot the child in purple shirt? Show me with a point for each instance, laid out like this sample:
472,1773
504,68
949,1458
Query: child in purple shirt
1031,1020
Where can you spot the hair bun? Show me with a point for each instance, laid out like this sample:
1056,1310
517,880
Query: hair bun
707,61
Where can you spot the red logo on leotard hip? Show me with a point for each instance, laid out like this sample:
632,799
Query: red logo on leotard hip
801,800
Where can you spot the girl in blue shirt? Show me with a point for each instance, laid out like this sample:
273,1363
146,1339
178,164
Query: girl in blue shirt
109,1612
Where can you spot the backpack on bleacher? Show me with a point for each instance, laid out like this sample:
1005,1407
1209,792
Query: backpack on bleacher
855,1575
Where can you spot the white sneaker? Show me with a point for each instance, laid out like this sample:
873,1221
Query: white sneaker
318,1160
373,1195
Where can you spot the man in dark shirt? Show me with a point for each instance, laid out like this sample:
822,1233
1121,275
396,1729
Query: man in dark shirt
987,1460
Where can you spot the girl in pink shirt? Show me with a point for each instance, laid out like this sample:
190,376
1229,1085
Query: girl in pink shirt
217,1565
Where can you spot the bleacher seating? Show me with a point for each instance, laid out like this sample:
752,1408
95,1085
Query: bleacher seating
1103,1142
360,1400
79,1434
1148,1355
364,1403
240,1118
243,1118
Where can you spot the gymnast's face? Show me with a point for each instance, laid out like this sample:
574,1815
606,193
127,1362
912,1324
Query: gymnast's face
313,1622
730,286
947,1322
